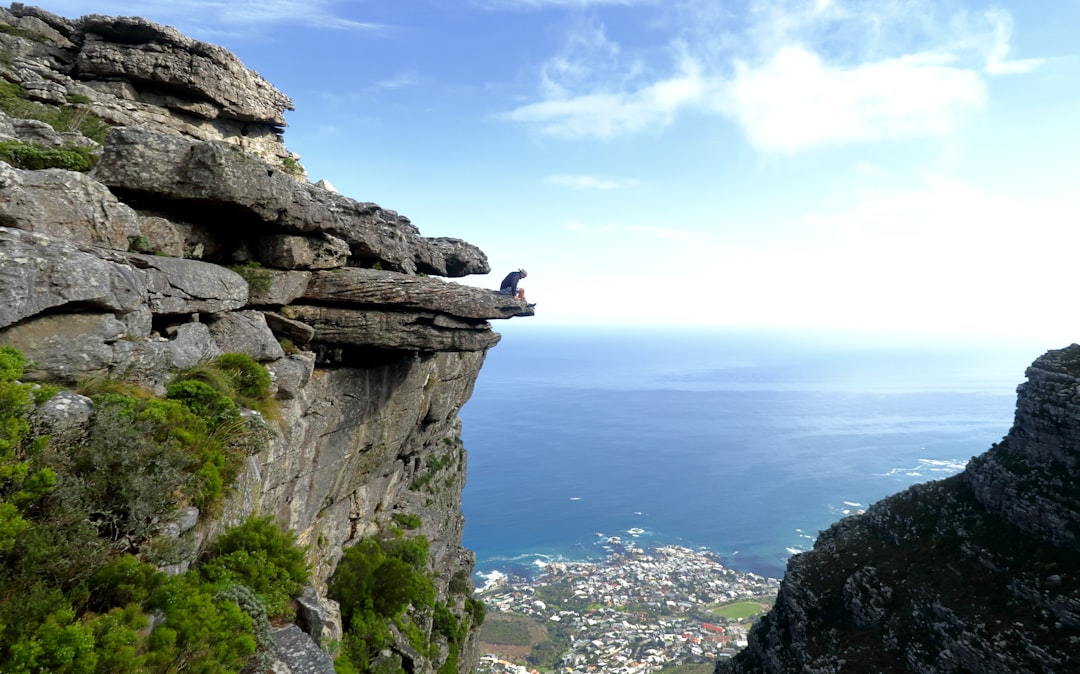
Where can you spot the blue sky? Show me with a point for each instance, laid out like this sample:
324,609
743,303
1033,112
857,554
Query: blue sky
893,166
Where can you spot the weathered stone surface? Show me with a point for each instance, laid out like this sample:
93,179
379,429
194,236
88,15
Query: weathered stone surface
295,331
291,374
319,618
299,652
412,331
132,72
177,286
279,287
369,287
287,251
143,162
39,274
162,236
64,417
158,57
245,332
64,205
66,346
444,256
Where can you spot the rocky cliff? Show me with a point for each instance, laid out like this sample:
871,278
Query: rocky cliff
978,573
196,233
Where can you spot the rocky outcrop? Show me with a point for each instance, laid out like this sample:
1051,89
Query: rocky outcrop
136,73
976,573
192,237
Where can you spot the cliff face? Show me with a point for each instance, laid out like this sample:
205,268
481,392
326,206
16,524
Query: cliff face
197,234
978,573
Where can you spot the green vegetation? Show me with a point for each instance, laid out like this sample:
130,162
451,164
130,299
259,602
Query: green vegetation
452,455
406,520
740,610
700,668
510,630
384,582
292,167
31,156
76,522
23,33
260,556
258,279
75,116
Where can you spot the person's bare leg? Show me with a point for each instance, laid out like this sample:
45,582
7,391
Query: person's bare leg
521,294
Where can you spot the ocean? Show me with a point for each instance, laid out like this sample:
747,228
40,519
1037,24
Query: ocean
744,444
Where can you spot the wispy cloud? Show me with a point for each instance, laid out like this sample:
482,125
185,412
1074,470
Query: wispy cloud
221,16
585,182
790,74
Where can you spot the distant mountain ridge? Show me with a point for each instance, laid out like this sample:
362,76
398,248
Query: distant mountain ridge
975,574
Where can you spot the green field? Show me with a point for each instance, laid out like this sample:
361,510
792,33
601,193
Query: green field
512,630
703,668
740,610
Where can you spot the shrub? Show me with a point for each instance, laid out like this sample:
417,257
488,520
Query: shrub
32,156
259,555
210,405
407,520
13,101
237,376
375,581
197,616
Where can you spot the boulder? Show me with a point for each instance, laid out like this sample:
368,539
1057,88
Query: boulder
288,251
245,332
40,274
65,205
161,58
178,286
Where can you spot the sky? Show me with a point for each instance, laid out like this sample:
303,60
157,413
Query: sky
895,167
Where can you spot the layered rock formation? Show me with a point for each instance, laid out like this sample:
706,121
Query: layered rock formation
979,573
194,235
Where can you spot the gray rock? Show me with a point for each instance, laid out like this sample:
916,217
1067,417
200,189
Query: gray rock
370,287
291,374
288,251
39,273
277,287
64,418
64,205
66,347
245,332
299,652
137,50
162,236
412,331
178,286
319,618
207,174
295,331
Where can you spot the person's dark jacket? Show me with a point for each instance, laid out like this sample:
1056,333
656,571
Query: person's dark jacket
510,283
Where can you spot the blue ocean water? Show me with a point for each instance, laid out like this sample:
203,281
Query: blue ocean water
745,444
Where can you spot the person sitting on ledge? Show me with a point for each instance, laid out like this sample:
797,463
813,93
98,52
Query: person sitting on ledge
510,284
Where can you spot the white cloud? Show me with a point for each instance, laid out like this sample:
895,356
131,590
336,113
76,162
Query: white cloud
790,74
795,100
585,182
610,113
